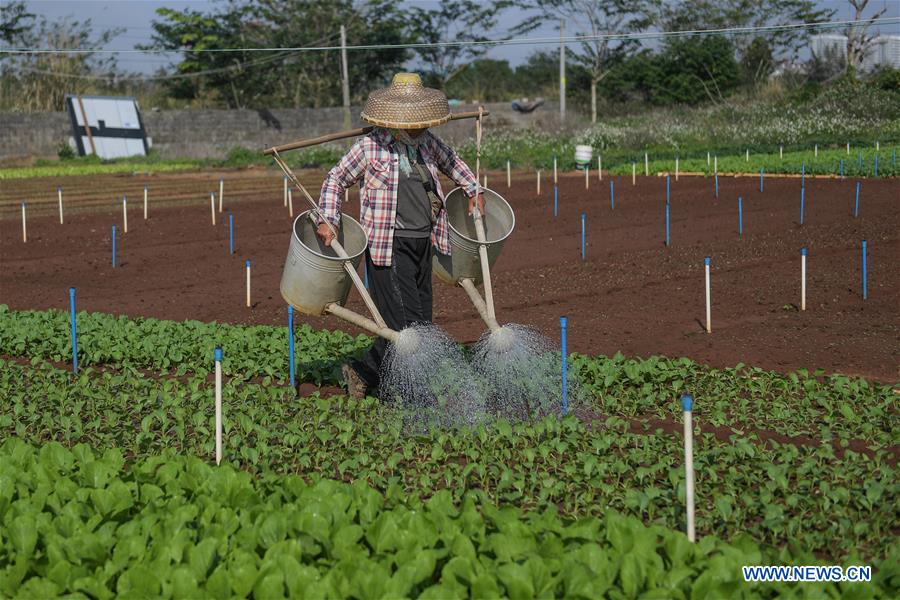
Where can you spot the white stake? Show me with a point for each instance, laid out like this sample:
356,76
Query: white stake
218,357
646,165
285,191
716,164
877,145
708,319
291,202
848,148
780,151
687,405
803,279
707,159
248,283
508,176
554,170
600,167
587,174
125,213
24,230
59,193
145,202
748,155
676,168
221,192
539,182
212,206
816,150
633,174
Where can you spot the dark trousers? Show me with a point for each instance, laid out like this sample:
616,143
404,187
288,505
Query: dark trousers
402,293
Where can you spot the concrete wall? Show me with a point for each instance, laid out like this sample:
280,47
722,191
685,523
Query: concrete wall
212,133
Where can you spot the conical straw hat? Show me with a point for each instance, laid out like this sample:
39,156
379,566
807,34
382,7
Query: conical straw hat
406,104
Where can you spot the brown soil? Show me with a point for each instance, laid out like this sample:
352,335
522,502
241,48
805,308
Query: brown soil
632,295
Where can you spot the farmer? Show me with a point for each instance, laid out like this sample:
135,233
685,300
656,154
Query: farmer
401,207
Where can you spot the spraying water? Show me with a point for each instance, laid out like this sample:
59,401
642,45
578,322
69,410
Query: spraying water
522,372
424,372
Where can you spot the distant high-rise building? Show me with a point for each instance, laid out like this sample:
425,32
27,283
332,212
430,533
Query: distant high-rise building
883,51
828,45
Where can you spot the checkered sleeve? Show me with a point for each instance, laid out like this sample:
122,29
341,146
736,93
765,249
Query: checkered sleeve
451,165
342,176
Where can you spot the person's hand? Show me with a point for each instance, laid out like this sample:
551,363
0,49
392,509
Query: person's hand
480,204
324,233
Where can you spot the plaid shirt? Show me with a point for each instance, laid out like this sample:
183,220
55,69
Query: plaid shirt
374,158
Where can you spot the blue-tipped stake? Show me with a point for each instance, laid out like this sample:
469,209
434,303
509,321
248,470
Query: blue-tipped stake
291,343
717,185
876,165
555,199
864,272
802,198
583,217
74,330
612,195
231,233
668,189
667,224
687,407
563,326
856,204
860,160
803,175
114,246
740,216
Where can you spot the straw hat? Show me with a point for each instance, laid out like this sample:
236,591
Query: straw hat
406,104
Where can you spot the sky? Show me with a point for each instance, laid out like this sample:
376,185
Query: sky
135,17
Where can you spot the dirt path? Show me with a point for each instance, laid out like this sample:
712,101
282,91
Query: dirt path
632,295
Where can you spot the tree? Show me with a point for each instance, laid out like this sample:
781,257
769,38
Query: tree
599,19
458,21
484,79
15,21
858,42
756,62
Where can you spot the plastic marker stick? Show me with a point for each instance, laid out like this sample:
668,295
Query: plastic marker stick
291,203
221,192
717,185
291,343
59,193
74,330
761,170
747,157
802,198
633,174
24,228
539,182
816,151
876,165
125,213
687,405
856,205
554,170
230,233
508,176
555,199
612,194
848,148
587,175
646,165
145,202
802,278
667,224
212,206
668,188
708,311
716,164
864,272
583,217
860,161
780,151
218,357
707,159
285,190
248,283
877,145
600,165
676,168
740,216
563,326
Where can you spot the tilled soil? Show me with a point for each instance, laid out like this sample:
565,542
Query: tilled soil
632,294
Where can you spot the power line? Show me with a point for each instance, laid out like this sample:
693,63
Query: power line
499,42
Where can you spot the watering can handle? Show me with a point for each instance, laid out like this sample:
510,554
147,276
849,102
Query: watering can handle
479,224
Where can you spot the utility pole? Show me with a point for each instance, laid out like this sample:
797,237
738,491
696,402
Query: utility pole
562,70
345,78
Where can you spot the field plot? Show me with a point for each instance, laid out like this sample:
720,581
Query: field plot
631,294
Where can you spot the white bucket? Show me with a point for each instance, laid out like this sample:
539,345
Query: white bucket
583,155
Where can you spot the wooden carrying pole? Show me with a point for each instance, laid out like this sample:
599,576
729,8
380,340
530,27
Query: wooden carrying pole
322,139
